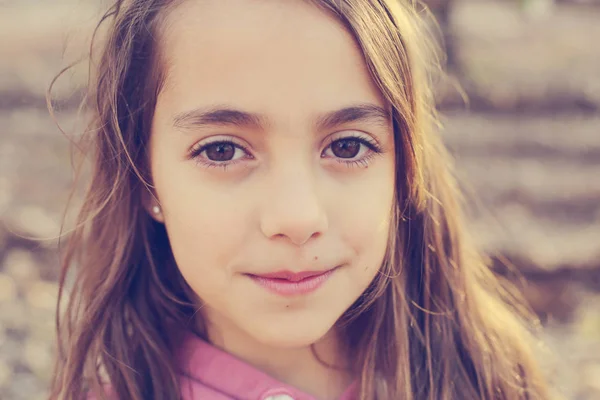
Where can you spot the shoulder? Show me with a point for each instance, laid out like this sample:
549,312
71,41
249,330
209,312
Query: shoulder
190,390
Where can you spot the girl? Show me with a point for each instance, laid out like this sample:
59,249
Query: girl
272,216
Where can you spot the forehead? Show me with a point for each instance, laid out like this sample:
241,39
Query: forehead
270,56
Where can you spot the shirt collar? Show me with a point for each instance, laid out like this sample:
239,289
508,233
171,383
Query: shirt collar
212,367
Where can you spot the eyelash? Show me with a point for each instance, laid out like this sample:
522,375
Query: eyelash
371,144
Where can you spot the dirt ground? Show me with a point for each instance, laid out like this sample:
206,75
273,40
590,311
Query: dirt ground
527,153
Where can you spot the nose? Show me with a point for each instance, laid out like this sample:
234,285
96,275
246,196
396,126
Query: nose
292,208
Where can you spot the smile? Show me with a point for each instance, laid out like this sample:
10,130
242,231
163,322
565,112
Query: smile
286,283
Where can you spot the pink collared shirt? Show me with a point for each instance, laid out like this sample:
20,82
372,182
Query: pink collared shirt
212,374
208,373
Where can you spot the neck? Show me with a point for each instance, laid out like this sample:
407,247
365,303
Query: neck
319,369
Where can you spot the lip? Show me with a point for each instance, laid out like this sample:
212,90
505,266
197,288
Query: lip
287,283
291,276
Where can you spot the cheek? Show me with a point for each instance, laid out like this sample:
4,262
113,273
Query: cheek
364,217
203,240
205,227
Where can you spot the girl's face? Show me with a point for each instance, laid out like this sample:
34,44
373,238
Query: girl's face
271,150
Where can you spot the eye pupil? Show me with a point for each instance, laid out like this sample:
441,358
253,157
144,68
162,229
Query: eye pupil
345,148
220,152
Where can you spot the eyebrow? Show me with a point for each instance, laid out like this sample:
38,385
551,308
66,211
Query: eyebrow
358,113
202,117
230,117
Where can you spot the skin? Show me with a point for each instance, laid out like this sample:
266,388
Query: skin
286,202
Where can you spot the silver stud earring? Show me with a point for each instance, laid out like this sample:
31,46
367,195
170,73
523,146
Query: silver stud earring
156,210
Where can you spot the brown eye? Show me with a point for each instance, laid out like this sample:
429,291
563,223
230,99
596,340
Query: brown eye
220,151
346,148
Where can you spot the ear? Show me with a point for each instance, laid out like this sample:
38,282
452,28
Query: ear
152,206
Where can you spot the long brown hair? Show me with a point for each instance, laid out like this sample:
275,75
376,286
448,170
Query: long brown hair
435,323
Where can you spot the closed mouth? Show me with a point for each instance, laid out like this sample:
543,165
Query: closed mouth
291,276
287,283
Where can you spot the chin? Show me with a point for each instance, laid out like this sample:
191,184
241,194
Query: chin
291,335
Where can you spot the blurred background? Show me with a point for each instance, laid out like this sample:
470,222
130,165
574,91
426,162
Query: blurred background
526,144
